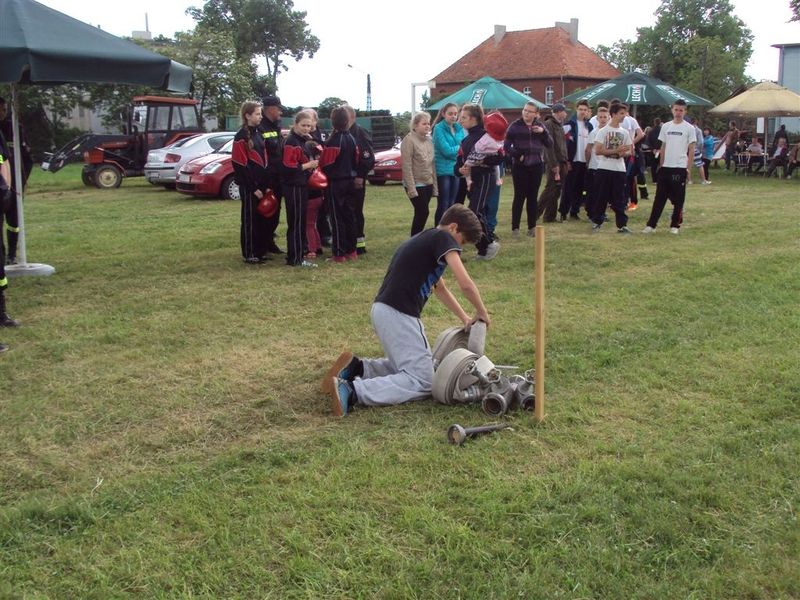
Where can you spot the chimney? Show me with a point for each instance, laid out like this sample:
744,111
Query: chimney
499,32
571,28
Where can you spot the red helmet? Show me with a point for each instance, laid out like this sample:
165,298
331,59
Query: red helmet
495,125
318,180
268,205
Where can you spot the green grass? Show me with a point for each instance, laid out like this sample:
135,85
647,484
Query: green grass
163,435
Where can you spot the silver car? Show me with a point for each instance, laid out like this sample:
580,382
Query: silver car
163,164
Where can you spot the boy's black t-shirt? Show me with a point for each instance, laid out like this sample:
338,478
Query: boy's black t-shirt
416,267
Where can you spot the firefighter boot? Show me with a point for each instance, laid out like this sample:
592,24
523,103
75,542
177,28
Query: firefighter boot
5,320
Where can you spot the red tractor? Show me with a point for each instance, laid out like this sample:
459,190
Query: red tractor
151,122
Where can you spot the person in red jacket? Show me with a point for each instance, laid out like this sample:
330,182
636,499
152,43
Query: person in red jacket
296,168
249,160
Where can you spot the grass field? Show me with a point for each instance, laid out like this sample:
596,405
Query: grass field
163,435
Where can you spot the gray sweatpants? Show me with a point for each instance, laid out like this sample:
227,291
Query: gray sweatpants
407,371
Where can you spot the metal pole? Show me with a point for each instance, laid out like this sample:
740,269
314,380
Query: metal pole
538,409
23,257
23,267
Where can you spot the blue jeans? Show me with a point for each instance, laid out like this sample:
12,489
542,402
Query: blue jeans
448,189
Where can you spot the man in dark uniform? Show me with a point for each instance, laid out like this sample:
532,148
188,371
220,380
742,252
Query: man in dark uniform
270,128
366,161
6,196
11,217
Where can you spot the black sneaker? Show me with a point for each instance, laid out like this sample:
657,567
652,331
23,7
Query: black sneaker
6,321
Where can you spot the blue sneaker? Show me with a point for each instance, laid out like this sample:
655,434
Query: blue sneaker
343,396
337,369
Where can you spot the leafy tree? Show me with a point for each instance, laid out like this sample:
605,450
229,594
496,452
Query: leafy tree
699,45
794,6
402,123
221,80
622,54
42,112
268,28
326,106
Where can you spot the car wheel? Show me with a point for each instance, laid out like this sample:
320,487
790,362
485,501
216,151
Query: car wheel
168,186
229,190
377,182
107,177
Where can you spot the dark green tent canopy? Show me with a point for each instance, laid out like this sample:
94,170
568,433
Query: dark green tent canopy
637,89
490,94
39,45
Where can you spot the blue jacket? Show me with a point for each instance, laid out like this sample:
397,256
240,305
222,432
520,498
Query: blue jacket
572,136
445,146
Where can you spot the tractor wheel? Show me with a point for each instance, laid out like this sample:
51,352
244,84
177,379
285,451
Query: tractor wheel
87,178
107,177
229,190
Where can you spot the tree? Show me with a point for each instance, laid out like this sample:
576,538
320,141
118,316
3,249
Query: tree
794,6
221,80
699,45
326,106
622,54
268,28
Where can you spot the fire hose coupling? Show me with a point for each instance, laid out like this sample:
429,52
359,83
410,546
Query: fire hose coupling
464,376
456,434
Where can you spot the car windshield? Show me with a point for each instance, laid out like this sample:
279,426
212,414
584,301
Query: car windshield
227,148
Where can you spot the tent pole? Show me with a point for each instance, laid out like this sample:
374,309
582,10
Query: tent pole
18,173
23,267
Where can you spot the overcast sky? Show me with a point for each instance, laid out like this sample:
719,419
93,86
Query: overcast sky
410,41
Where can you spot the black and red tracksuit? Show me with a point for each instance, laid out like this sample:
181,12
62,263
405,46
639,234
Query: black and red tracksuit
249,161
339,162
294,181
270,132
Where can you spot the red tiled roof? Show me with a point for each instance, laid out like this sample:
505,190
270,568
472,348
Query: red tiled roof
529,54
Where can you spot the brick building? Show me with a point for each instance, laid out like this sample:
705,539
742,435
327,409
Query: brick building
547,63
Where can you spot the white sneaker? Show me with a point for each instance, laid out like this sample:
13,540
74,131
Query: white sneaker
674,230
532,232
648,229
706,182
515,233
492,250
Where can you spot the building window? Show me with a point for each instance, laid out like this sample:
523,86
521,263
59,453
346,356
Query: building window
526,90
548,95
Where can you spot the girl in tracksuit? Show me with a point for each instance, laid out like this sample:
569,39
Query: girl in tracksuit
249,159
339,161
471,119
296,168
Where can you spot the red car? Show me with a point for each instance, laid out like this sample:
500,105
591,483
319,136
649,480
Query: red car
209,175
388,167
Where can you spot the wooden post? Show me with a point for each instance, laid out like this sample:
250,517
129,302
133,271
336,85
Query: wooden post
538,410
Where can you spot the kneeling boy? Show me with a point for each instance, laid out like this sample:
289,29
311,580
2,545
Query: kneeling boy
415,271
